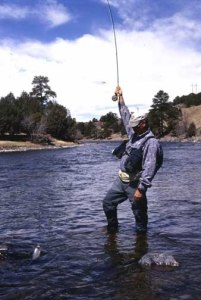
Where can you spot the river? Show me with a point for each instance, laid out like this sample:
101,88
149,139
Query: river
53,198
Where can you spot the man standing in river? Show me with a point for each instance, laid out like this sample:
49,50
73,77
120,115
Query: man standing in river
139,163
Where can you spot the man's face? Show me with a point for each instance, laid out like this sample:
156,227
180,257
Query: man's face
140,128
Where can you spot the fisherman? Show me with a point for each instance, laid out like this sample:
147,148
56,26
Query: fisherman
139,163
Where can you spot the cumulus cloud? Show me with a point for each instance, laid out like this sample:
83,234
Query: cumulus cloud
54,14
179,29
82,72
180,19
50,12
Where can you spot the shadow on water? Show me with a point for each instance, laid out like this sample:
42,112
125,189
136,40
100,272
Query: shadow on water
53,198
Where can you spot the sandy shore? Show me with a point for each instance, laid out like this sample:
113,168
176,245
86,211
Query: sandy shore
10,146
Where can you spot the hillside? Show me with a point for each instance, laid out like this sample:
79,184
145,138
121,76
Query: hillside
192,114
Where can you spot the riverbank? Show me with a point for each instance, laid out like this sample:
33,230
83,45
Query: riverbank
10,145
181,139
167,138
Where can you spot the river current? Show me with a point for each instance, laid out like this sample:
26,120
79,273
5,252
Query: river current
53,198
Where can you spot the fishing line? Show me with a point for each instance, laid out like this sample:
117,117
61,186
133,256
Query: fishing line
115,42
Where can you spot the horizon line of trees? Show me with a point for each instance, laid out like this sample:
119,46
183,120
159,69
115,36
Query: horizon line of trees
38,115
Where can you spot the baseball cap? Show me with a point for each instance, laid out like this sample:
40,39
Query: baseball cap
135,120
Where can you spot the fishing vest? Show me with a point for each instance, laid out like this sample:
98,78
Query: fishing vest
133,162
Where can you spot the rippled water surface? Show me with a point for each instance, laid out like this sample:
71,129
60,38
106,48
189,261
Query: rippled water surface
54,198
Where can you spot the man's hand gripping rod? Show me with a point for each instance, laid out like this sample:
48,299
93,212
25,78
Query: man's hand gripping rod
117,94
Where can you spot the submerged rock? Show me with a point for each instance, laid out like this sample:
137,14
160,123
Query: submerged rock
160,259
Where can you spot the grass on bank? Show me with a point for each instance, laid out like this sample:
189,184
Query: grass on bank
20,142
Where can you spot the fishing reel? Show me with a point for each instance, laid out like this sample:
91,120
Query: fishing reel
115,97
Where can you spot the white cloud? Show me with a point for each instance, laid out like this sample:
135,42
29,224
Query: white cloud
54,14
13,12
50,12
83,72
179,29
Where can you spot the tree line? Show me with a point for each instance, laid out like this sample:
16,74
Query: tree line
188,100
38,116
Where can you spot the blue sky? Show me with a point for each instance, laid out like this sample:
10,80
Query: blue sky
72,43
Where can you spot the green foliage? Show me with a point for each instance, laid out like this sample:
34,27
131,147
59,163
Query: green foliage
30,113
58,121
31,124
111,123
41,90
35,114
39,116
109,118
87,129
163,116
9,117
189,100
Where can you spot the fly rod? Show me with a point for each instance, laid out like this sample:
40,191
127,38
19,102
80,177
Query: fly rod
114,98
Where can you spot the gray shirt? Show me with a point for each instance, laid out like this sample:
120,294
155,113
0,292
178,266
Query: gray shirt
151,150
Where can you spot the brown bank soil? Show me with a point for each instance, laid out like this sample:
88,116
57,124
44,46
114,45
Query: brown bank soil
9,145
167,138
20,145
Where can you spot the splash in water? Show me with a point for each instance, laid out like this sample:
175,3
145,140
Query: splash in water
37,252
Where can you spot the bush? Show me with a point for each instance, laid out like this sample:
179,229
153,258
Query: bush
41,139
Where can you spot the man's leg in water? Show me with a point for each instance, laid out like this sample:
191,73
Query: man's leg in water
114,196
139,208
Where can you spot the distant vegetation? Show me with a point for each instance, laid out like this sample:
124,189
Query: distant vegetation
190,100
37,116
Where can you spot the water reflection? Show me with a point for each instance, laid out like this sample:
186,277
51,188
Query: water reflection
126,277
112,247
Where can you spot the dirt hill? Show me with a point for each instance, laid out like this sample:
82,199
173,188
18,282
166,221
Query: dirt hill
192,114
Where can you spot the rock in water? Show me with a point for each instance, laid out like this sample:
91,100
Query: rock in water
160,259
170,261
146,260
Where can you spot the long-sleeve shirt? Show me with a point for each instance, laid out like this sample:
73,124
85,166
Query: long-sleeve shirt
151,149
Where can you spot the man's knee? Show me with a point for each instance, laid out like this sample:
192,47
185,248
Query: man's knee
140,205
107,204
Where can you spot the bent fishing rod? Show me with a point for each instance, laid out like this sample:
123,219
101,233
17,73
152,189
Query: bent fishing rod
115,97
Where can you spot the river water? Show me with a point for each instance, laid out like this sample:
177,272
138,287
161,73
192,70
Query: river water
53,198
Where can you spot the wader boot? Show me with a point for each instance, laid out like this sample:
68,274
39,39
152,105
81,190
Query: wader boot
139,209
112,220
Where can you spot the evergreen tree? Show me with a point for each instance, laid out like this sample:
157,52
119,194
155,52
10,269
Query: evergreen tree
111,123
41,90
163,115
56,116
9,118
